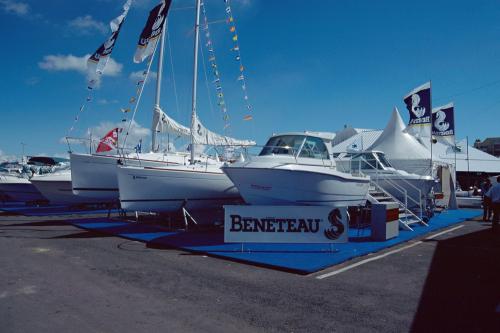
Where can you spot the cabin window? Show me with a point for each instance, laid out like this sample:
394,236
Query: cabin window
314,148
283,145
384,161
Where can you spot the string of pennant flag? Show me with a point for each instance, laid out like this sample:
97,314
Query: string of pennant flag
236,49
221,102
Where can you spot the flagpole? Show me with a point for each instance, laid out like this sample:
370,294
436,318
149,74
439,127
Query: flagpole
430,103
195,75
468,169
455,150
154,146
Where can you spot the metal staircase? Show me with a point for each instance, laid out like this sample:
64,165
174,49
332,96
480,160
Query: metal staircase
407,218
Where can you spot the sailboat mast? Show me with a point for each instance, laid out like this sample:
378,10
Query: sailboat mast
154,145
195,75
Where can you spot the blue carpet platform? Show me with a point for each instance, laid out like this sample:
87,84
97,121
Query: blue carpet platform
50,210
298,258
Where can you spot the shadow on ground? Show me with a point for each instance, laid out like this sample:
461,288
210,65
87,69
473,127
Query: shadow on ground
462,289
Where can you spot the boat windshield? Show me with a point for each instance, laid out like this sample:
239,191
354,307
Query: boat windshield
367,161
310,147
283,145
383,160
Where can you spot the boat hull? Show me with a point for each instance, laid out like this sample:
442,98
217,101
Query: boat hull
275,186
94,176
20,189
57,189
168,190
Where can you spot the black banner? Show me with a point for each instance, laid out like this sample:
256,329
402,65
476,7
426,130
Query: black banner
443,121
152,29
418,104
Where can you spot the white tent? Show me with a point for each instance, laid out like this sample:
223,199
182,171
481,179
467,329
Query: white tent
406,152
402,149
468,159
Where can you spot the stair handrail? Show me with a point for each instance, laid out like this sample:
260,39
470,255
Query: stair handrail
398,201
399,188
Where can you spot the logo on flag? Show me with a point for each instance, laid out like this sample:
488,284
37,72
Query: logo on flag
443,124
152,30
109,141
97,61
418,104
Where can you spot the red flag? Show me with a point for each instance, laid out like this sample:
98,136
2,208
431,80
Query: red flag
109,141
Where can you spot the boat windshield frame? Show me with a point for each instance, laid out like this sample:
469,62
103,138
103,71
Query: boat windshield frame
382,160
296,145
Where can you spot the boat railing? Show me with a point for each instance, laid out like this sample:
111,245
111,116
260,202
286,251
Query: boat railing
377,168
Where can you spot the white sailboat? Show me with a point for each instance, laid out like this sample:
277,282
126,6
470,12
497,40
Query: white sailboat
296,169
93,176
198,184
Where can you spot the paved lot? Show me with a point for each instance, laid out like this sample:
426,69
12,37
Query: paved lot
57,278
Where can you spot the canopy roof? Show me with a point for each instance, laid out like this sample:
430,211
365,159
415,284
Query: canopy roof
396,143
402,146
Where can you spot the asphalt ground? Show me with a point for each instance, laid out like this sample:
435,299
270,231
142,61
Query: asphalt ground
58,278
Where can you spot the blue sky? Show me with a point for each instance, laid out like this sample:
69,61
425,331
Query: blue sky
314,65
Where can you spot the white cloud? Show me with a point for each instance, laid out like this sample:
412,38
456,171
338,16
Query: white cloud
86,25
15,7
74,63
6,158
136,76
78,64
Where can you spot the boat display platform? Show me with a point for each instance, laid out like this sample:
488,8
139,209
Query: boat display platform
296,258
51,210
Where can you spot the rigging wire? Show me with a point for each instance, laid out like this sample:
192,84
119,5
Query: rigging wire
140,95
173,74
465,92
210,101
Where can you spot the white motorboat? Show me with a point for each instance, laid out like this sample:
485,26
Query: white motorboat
397,182
17,185
296,169
19,188
56,188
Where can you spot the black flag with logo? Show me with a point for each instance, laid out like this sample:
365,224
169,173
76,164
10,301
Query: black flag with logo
98,60
418,104
443,123
152,31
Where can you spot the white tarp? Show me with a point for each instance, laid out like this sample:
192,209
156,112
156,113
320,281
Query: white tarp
204,136
162,123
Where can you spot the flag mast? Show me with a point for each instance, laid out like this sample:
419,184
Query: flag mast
195,75
154,145
430,103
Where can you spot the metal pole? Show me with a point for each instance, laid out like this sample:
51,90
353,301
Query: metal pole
195,75
154,146
430,103
455,150
468,169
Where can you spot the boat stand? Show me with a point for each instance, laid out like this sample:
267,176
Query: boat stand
187,216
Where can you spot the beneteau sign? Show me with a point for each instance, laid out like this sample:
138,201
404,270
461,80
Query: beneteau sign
285,224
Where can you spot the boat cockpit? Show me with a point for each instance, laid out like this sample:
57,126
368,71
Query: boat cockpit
296,145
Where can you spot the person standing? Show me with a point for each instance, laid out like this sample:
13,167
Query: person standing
487,209
494,195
